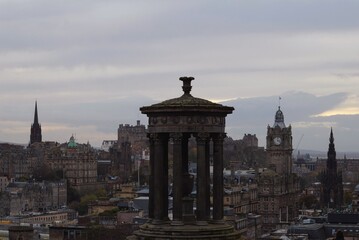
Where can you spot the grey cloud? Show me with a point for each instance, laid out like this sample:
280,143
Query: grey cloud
60,53
253,115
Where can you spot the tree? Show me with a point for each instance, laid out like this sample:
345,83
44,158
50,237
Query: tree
72,194
308,201
82,208
44,173
348,198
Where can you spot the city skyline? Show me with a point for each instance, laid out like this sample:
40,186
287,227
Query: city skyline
91,65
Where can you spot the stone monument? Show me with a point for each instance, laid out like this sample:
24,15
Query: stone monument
175,121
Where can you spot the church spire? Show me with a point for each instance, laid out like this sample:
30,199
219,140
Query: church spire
36,118
35,134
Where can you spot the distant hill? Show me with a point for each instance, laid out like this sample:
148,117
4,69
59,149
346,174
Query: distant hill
20,144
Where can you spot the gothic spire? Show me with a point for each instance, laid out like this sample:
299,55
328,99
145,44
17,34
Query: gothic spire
331,142
332,161
331,139
35,134
36,118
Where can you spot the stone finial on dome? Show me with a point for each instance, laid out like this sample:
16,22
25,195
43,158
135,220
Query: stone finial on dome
186,84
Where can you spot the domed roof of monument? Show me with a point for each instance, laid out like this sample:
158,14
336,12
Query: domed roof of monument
186,102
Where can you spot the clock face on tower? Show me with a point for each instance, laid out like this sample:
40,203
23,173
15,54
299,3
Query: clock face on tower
277,140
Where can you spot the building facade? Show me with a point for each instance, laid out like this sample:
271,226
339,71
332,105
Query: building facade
22,197
127,151
76,161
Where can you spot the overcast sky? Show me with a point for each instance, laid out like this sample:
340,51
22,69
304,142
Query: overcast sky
92,64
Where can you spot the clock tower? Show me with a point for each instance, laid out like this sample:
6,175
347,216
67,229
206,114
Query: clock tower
279,188
279,145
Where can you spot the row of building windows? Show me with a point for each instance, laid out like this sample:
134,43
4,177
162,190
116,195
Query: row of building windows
52,218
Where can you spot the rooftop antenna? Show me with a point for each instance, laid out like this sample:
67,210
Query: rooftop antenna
279,98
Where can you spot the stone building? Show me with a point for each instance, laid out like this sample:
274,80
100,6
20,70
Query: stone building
279,188
13,160
355,199
77,162
128,150
21,197
244,153
243,198
107,144
132,134
4,181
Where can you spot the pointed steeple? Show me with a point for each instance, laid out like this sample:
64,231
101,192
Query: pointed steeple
331,138
331,149
36,118
35,135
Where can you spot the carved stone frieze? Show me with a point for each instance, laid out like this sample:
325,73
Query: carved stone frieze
187,120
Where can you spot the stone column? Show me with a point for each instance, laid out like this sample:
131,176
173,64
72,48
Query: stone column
160,196
218,177
185,138
202,183
177,178
208,180
151,179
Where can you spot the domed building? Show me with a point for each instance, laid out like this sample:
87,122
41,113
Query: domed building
76,161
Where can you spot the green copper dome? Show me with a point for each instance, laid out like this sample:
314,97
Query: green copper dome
72,143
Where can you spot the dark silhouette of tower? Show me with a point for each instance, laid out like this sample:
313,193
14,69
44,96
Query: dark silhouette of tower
35,135
332,180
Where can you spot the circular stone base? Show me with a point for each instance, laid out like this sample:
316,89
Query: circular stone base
166,231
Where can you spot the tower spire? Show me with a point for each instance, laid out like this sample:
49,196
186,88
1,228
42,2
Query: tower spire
35,134
331,138
36,118
331,149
